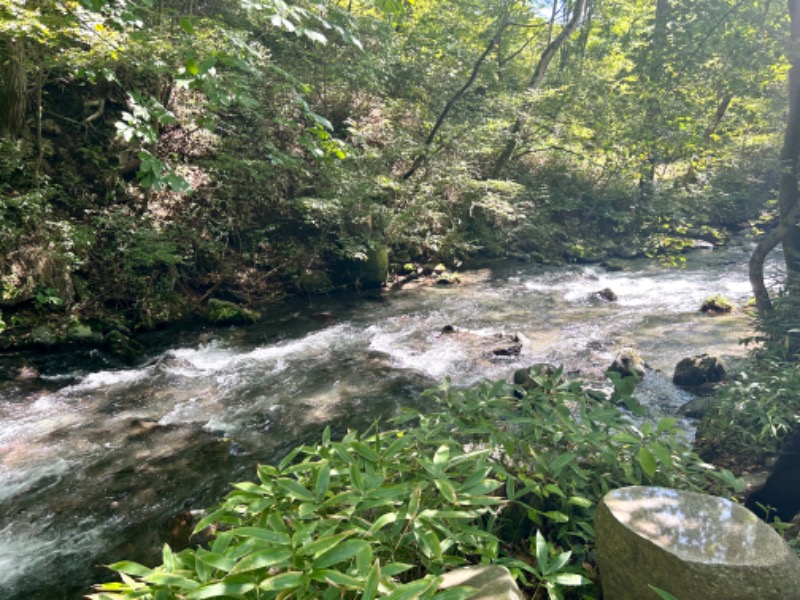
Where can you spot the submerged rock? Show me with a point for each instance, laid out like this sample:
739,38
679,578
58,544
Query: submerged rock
606,294
509,345
693,546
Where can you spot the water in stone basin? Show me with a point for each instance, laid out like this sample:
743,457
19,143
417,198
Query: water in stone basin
96,463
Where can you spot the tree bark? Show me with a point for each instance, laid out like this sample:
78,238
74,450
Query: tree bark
787,231
788,195
13,87
536,81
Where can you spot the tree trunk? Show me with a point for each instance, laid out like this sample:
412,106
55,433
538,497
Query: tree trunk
790,155
787,231
536,81
13,87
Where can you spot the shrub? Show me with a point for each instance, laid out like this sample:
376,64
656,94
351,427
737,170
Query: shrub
484,478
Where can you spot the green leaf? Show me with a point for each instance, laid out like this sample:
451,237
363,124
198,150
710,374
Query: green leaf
295,490
414,589
222,589
569,579
365,451
662,594
371,583
259,533
131,568
382,521
186,24
340,553
218,561
323,480
171,580
442,456
666,424
191,66
661,452
447,490
647,461
262,559
322,545
284,581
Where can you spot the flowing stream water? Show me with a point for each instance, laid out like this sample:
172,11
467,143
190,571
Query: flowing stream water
97,461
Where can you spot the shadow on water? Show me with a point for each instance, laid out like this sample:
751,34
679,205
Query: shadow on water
98,462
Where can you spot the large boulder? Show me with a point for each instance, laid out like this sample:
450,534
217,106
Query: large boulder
693,546
697,371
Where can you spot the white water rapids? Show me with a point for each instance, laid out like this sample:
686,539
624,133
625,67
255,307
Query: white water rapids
94,464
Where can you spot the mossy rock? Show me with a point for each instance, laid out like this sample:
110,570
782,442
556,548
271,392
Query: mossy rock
376,268
696,371
716,305
120,346
448,278
315,282
43,335
222,312
83,333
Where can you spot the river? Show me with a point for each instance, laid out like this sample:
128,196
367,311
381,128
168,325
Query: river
97,461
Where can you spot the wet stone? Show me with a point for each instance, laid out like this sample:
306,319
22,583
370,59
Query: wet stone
693,546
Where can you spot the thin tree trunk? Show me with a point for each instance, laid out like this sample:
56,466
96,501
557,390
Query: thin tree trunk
722,108
13,87
788,195
536,81
455,98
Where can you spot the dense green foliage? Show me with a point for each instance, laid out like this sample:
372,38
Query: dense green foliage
486,477
158,153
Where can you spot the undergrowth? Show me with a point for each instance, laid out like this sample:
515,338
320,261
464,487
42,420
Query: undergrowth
485,477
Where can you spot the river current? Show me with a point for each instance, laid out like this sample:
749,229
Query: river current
97,461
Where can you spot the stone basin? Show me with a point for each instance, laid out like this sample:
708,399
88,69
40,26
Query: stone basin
694,546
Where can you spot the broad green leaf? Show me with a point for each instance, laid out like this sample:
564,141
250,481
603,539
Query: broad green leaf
414,589
447,490
284,581
382,521
295,490
662,594
661,452
172,580
259,533
442,456
323,480
131,568
221,589
371,583
365,451
647,461
666,424
218,561
569,579
262,559
322,545
340,553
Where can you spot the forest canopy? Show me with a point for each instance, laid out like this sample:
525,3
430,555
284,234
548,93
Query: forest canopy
158,153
